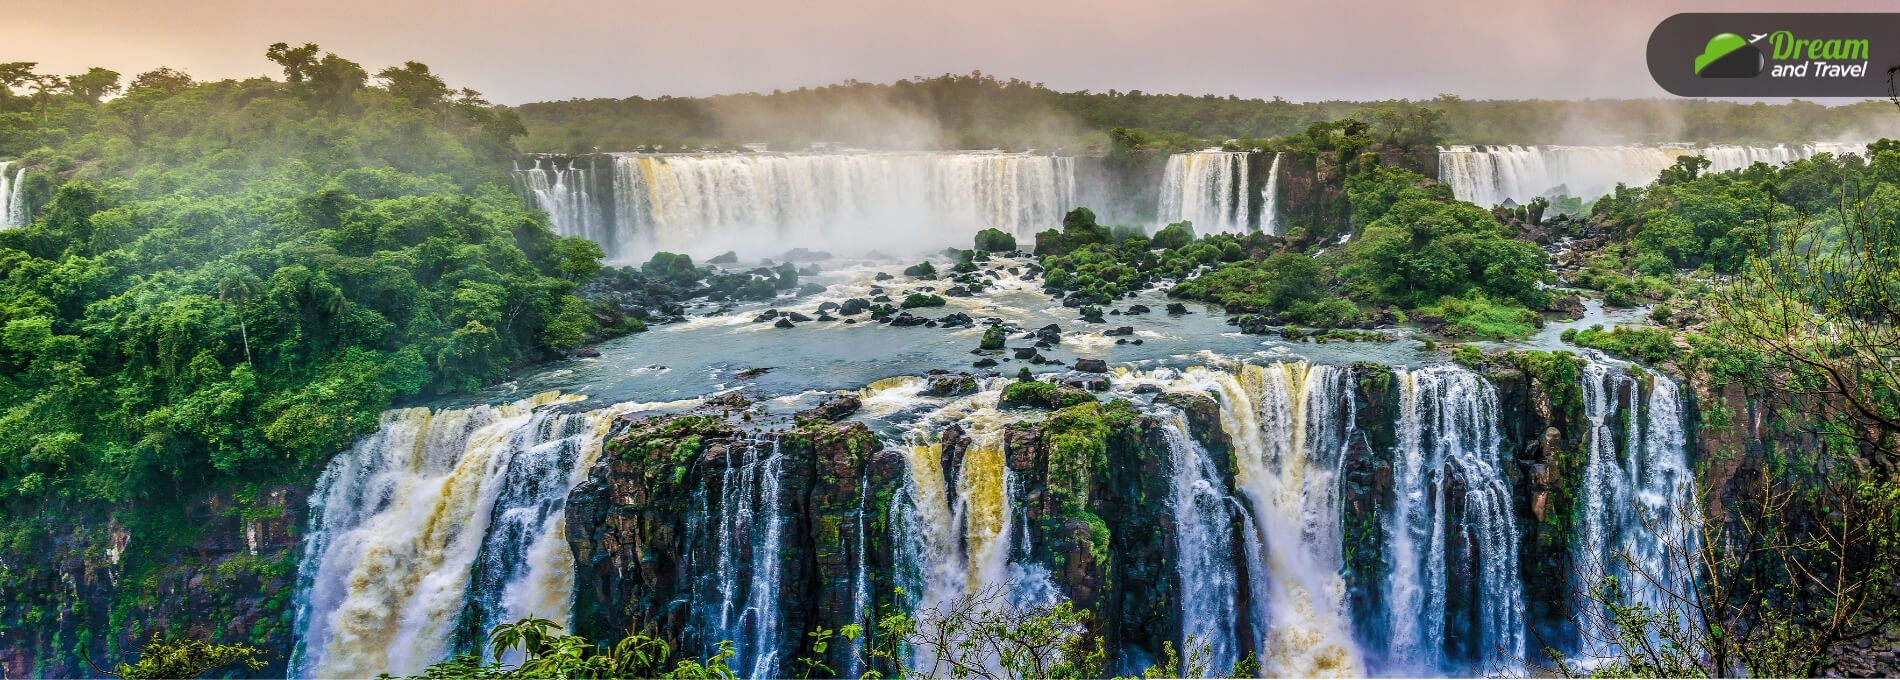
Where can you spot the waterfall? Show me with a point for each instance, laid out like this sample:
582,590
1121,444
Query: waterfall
861,586
437,521
565,193
6,196
1204,546
1208,188
1290,423
1491,175
13,212
749,530
1270,198
1638,492
710,203
1452,511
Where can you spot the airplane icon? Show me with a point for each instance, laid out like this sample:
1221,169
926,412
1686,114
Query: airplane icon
1753,37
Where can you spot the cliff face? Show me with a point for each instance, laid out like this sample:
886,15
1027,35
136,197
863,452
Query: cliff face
646,527
97,589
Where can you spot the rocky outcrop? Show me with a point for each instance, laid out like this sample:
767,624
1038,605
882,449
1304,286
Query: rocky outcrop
642,526
101,585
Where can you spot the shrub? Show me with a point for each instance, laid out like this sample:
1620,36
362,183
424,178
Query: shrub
915,300
922,270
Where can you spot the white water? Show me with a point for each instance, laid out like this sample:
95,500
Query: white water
762,204
1447,434
435,514
1208,188
1638,498
1270,198
749,531
12,197
1204,547
564,192
1490,175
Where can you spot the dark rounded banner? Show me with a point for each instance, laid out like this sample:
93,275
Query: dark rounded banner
1775,55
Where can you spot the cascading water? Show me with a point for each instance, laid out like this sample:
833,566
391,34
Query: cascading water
1270,198
749,536
1452,510
1638,493
1290,423
12,197
1491,175
438,520
1208,188
1204,553
565,194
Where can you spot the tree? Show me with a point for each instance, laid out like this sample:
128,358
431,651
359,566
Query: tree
13,75
171,657
983,635
93,85
163,79
413,82
295,60
235,287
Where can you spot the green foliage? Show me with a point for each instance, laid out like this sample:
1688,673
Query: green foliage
1653,345
995,241
1423,249
1078,229
921,270
1173,236
1043,395
993,338
171,657
546,654
673,267
915,300
1476,316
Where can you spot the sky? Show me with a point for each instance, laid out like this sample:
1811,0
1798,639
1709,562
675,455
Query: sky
525,51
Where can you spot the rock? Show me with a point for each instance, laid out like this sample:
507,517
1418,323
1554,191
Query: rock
1091,365
828,307
850,320
795,316
1092,384
834,408
984,363
881,276
1092,315
765,316
784,323
854,306
1569,306
1147,388
1138,309
1114,312
906,319
956,385
1124,330
588,353
1121,341
727,257
1177,308
1051,333
957,291
827,317
1025,352
875,290
881,298
1136,341
957,319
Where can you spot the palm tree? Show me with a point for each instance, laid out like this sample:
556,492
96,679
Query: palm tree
239,285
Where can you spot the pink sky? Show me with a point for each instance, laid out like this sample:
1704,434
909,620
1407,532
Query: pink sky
530,51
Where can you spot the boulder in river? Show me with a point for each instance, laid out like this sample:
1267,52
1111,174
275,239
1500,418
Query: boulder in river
1091,365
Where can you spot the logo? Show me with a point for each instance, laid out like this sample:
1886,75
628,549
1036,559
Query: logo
1781,54
1729,56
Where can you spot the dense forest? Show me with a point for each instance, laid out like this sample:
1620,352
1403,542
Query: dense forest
231,280
979,111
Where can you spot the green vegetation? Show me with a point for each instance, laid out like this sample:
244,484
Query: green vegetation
993,338
915,300
1653,345
1042,395
232,280
995,241
1476,316
921,270
978,111
169,657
